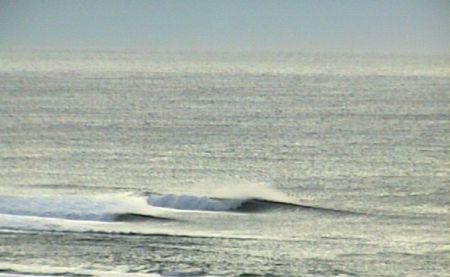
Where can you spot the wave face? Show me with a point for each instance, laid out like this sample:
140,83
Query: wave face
190,202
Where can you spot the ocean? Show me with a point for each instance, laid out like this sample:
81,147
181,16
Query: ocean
135,163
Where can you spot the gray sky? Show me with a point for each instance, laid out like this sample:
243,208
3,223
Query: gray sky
327,25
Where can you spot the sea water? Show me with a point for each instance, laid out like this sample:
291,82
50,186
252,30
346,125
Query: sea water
116,163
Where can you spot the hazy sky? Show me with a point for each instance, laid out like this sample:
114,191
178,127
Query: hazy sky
342,26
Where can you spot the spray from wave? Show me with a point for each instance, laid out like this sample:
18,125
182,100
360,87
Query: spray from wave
230,188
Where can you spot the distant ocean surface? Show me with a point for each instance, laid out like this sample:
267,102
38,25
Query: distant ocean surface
116,163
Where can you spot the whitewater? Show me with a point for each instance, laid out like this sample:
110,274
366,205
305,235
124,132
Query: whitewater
134,163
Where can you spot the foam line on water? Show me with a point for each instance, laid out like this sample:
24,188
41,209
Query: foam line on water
10,269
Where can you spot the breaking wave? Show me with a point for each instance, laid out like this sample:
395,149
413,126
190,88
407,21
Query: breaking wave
238,196
25,211
244,204
203,203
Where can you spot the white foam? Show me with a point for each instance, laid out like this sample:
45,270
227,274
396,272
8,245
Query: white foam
73,208
62,207
44,270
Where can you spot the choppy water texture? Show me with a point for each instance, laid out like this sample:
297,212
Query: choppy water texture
130,163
